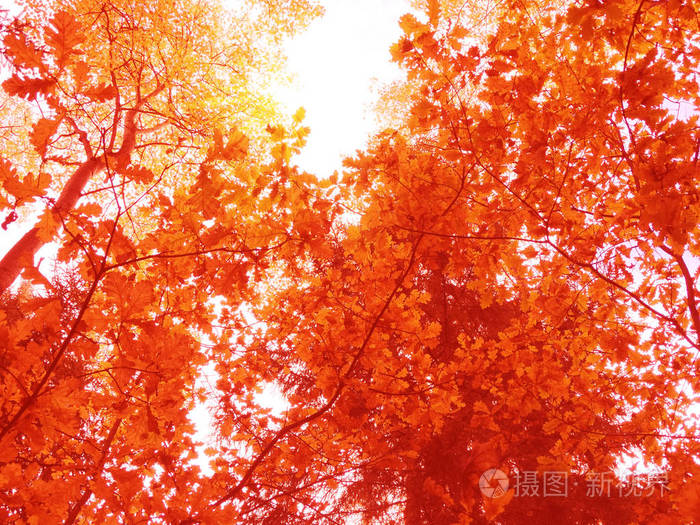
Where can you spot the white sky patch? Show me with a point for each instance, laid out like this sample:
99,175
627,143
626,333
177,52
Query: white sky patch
337,64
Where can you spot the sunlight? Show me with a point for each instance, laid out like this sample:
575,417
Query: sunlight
338,64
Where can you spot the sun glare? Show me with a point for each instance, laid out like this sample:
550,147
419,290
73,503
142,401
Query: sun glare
337,66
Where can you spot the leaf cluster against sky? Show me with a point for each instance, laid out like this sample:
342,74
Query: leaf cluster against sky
504,277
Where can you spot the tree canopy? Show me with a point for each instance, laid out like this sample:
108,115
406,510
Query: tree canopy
505,278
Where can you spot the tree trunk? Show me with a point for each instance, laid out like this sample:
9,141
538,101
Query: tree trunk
22,253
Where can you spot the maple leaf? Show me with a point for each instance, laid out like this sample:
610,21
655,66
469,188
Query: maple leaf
42,132
29,88
23,52
64,35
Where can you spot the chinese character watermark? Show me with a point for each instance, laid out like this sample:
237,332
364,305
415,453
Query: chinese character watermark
556,484
494,483
527,484
598,484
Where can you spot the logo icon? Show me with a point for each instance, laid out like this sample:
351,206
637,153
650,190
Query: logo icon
493,483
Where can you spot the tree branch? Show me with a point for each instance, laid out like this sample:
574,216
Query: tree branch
689,288
21,255
77,507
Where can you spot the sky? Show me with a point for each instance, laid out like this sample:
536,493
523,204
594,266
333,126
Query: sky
338,64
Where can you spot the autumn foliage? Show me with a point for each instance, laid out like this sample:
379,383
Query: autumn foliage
505,278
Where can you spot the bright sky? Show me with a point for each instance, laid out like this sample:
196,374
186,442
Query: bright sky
338,62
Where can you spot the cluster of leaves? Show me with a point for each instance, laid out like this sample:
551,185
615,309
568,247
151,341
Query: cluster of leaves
505,278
